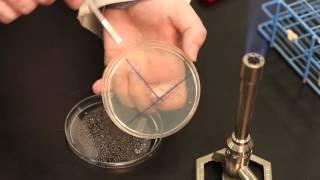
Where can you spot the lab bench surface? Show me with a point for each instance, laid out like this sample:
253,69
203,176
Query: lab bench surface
48,63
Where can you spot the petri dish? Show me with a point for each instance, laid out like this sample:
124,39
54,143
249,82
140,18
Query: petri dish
151,91
94,138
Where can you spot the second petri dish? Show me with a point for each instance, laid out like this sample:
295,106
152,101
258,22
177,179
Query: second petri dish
94,138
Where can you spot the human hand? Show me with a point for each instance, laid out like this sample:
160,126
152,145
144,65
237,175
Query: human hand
170,21
12,9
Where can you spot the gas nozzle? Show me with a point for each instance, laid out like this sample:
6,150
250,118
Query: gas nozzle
252,67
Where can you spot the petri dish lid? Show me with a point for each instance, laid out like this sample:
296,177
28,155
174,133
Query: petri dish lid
151,91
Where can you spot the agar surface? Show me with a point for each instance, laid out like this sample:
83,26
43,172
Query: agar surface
112,144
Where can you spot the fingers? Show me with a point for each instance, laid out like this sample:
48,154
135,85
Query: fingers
173,98
12,9
121,88
23,7
7,14
132,92
136,86
190,26
140,94
74,4
45,2
97,87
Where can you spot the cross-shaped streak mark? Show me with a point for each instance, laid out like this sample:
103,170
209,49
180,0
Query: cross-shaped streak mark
144,81
159,99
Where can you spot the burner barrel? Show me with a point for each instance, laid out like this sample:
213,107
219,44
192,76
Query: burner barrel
250,74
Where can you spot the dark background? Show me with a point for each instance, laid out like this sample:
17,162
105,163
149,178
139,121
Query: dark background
48,63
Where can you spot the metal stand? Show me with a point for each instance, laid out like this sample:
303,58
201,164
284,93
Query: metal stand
238,152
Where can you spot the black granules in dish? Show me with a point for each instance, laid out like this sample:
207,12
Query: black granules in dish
110,143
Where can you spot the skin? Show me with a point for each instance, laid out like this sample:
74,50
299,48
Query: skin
170,21
10,10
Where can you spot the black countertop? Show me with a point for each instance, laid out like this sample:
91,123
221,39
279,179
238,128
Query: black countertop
48,63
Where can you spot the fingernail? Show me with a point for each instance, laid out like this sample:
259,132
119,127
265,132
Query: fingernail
193,52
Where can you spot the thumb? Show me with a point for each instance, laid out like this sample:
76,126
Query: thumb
191,28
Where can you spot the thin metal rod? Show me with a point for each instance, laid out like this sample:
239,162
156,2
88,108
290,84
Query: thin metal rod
105,23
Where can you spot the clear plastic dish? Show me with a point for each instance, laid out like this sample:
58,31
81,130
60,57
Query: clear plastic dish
148,80
94,138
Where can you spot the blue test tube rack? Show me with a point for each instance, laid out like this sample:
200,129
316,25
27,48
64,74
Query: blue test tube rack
300,19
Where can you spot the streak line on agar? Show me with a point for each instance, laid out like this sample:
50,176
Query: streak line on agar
140,76
159,99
